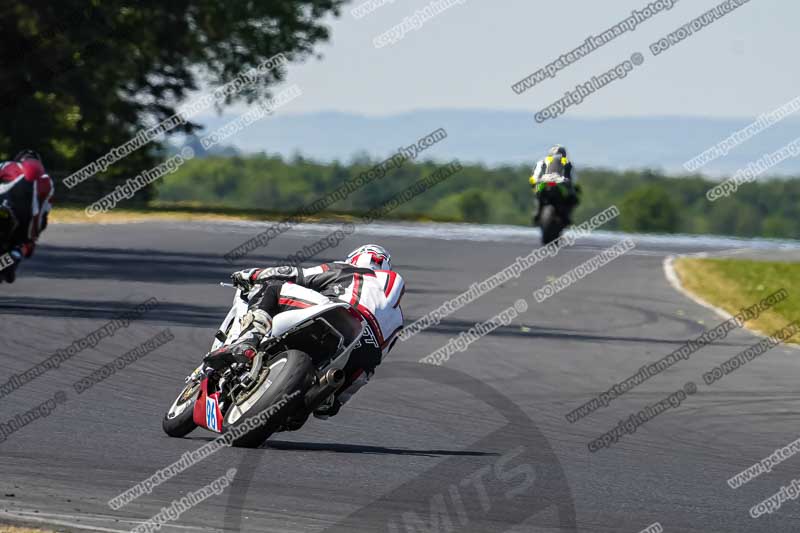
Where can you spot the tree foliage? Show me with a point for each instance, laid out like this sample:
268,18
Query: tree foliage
650,209
648,201
79,77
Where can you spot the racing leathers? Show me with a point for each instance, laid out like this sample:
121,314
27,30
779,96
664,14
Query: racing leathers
564,168
26,192
375,294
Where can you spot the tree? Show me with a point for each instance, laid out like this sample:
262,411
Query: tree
474,207
649,208
734,216
79,78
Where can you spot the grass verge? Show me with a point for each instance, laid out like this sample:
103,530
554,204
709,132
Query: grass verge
15,529
75,215
190,212
732,284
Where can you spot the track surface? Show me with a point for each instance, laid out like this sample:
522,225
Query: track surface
487,429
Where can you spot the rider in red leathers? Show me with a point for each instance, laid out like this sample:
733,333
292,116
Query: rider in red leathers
26,192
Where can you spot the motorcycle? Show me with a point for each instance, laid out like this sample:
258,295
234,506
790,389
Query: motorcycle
295,370
10,257
557,198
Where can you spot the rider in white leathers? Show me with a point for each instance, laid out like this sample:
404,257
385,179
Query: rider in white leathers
365,280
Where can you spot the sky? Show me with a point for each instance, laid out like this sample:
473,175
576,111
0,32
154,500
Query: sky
468,56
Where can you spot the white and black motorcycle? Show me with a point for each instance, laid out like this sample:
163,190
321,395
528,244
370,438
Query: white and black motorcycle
295,370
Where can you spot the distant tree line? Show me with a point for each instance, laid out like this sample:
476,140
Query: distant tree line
649,202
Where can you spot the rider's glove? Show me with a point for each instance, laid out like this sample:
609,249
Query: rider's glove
245,278
252,276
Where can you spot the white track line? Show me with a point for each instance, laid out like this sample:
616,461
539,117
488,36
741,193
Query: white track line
43,518
77,521
672,278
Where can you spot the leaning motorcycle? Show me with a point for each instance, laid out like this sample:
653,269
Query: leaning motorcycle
9,255
295,370
557,198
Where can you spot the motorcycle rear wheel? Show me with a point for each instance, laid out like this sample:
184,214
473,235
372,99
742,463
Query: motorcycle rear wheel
290,376
550,224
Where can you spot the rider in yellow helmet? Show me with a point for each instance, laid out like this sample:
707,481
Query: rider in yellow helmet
556,162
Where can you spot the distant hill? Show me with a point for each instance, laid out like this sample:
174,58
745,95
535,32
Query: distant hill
499,137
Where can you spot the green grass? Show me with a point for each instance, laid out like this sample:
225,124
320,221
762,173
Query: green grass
194,211
732,284
15,529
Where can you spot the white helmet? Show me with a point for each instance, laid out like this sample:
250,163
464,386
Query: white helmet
370,256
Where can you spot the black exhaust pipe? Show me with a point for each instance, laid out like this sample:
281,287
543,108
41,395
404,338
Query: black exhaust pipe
327,385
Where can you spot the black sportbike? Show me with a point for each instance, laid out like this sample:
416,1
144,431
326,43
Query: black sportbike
9,258
557,199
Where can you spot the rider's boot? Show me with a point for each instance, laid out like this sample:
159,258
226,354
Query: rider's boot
256,325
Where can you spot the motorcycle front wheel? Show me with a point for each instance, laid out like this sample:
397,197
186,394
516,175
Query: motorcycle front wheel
179,420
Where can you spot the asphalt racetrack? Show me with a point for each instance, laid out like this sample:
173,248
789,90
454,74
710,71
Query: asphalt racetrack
480,443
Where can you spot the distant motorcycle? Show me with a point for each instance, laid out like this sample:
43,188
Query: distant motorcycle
557,198
294,371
